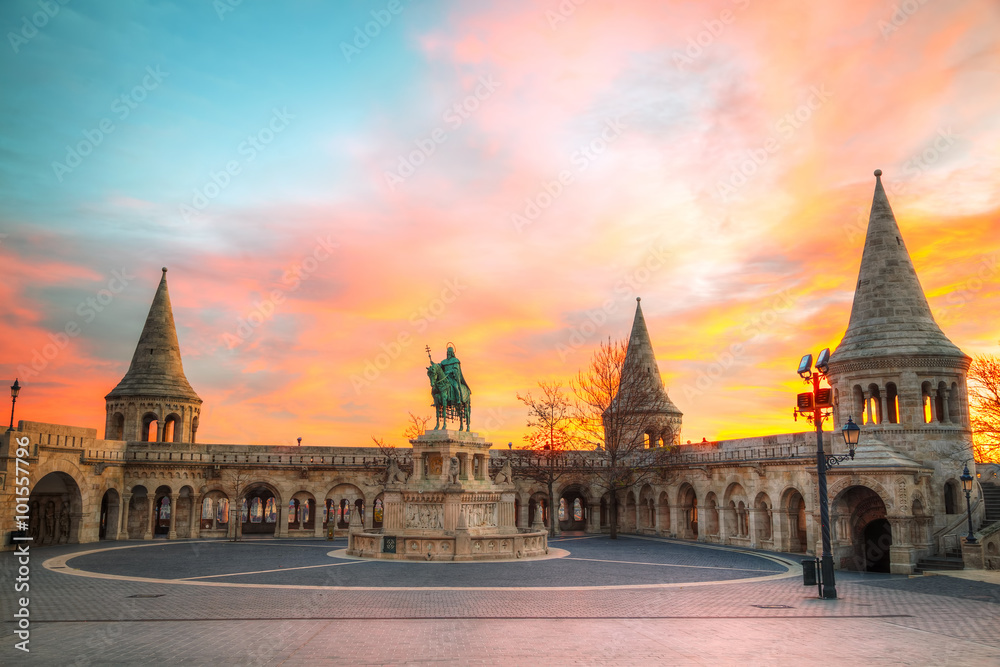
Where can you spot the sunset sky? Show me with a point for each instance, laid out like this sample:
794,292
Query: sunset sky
336,185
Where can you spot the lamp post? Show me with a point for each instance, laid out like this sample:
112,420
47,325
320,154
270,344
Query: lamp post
15,389
967,485
813,404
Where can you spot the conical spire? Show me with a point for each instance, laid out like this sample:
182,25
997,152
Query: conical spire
156,368
890,315
639,359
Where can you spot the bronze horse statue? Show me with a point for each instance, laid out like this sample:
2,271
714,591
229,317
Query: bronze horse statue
450,401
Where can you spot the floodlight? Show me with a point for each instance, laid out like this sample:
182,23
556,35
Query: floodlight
823,363
805,365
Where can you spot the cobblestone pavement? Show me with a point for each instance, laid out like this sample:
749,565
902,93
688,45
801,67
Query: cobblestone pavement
626,602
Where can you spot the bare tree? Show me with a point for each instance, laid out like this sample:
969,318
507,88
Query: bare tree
239,482
550,419
984,403
618,404
417,426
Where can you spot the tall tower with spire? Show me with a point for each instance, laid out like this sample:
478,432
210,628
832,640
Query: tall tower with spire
663,428
154,401
895,372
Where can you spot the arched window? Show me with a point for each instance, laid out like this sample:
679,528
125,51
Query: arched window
165,508
577,510
562,509
244,512
950,496
378,511
117,427
223,515
892,402
206,509
928,402
293,511
271,511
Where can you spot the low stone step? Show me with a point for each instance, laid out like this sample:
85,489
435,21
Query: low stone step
939,563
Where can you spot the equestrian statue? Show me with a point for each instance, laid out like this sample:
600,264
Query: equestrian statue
452,396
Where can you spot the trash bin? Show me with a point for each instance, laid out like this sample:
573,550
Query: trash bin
809,572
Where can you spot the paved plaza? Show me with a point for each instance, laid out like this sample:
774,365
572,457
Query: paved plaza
594,601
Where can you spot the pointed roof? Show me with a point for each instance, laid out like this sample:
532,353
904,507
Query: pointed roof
639,358
156,365
890,315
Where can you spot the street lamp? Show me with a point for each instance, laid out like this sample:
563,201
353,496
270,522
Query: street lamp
967,485
15,389
813,404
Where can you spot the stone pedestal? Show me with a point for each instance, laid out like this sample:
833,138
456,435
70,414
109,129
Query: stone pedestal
449,508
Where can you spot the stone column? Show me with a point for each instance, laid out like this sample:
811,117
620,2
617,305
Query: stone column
868,406
945,411
752,526
281,530
884,400
151,518
123,518
932,396
194,526
159,430
172,533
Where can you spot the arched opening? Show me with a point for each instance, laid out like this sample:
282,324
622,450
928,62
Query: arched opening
663,513
892,402
172,428
259,513
573,509
215,512
163,508
110,517
150,427
55,509
688,505
868,526
537,505
878,539
928,402
873,410
795,509
951,502
762,519
711,515
338,504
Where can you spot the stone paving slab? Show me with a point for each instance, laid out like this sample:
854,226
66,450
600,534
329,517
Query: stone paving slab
884,618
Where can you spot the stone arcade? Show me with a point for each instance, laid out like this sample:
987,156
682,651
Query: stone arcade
898,502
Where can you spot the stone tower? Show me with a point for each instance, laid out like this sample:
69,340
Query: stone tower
154,391
895,372
664,428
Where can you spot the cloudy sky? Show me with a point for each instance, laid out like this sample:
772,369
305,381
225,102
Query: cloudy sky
336,185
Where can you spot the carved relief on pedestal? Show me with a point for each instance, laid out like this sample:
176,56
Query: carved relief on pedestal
424,516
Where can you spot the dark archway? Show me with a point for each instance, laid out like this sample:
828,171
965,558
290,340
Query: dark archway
55,507
259,514
110,517
878,539
573,509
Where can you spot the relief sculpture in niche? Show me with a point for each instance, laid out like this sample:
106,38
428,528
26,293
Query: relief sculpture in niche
422,515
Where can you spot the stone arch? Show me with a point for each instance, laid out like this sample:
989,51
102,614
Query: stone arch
646,519
109,518
663,513
260,509
892,403
164,510
865,521
302,511
687,506
150,427
793,521
711,514
55,509
762,518
340,501
117,427
574,493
